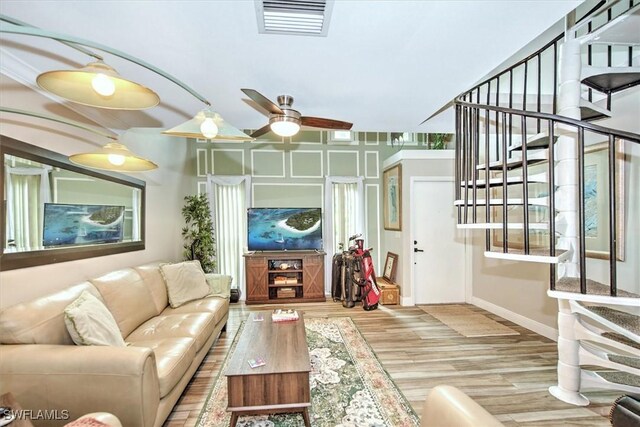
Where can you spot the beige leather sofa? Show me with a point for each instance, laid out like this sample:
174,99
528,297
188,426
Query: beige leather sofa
140,383
446,406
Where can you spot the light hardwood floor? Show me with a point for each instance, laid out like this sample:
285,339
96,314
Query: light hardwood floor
507,375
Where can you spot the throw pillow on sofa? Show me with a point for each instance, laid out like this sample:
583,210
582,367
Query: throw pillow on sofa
219,285
89,322
185,282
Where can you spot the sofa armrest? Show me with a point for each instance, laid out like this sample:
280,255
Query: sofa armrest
219,284
75,380
447,406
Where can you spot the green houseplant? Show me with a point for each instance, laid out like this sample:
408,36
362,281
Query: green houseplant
199,242
438,141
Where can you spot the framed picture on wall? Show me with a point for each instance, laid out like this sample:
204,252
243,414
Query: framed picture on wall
392,198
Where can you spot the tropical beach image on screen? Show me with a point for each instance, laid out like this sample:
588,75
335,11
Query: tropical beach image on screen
71,224
277,229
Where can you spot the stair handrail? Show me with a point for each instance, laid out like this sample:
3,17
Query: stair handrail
595,11
466,167
599,10
621,134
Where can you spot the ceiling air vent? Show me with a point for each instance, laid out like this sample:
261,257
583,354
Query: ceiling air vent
298,17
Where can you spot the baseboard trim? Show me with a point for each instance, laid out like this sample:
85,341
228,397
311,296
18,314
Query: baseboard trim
537,327
407,302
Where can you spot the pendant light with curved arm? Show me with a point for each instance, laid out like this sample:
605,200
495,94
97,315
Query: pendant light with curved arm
98,85
113,156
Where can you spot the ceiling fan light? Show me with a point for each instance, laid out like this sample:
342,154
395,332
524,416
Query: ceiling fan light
284,126
113,157
98,85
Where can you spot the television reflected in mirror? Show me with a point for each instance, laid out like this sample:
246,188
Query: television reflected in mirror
76,224
56,211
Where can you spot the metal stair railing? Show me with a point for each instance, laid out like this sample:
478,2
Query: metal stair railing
488,90
470,179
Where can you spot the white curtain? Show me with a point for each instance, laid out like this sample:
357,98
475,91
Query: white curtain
344,215
135,213
229,199
27,191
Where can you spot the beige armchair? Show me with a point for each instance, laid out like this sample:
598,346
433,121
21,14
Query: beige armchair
103,417
446,406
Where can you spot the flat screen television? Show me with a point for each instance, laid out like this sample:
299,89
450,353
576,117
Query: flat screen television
75,224
279,229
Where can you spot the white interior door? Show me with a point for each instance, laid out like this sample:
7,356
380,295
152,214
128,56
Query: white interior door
439,270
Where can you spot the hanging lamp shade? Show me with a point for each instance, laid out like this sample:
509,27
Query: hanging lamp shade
98,85
114,157
209,125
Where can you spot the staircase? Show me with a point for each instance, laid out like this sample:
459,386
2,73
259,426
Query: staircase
532,163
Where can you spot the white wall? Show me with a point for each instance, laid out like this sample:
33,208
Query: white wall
166,188
626,111
414,164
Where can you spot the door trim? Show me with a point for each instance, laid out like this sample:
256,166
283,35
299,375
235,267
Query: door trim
409,244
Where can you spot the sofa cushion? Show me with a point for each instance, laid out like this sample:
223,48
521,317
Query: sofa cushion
90,323
214,305
173,358
151,275
127,297
199,326
219,285
41,321
185,282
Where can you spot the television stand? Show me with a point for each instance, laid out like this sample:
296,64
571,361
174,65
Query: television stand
285,277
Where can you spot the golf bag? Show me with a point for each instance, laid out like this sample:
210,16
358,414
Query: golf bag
336,277
350,287
353,277
366,277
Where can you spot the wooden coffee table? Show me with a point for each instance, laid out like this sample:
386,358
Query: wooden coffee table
282,384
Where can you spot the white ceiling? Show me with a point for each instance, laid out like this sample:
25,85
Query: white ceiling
385,65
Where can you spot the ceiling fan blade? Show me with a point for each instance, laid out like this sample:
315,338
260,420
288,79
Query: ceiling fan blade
318,122
264,129
262,101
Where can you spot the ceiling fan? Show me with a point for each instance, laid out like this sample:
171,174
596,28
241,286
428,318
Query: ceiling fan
284,120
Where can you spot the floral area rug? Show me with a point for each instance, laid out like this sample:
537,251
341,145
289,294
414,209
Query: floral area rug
349,387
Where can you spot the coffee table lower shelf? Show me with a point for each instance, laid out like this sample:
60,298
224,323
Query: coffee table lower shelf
280,386
270,409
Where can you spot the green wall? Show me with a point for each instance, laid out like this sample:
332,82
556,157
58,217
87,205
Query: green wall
290,172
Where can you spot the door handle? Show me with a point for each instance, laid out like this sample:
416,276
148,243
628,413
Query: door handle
417,250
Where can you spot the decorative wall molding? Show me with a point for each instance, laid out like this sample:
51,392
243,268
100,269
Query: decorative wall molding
56,183
226,150
375,154
291,163
202,162
377,251
253,164
202,187
357,160
372,142
280,184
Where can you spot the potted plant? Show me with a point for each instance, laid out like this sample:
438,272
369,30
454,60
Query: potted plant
199,243
438,141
